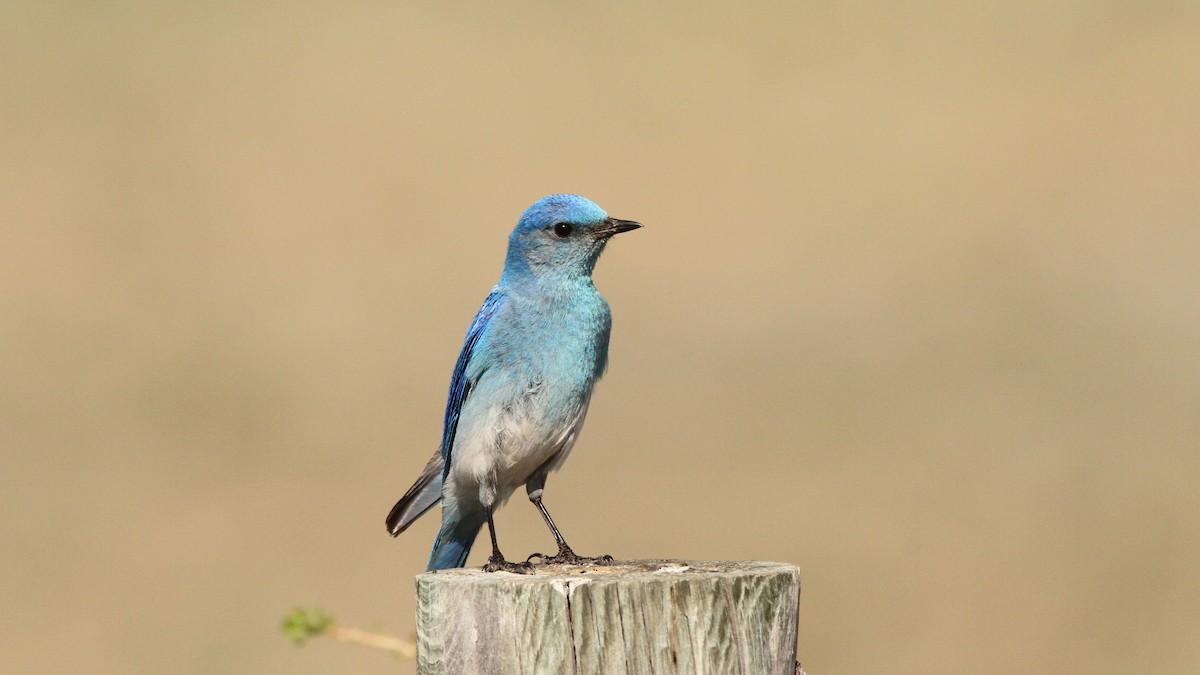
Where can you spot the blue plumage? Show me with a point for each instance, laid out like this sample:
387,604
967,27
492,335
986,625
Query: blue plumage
459,384
523,381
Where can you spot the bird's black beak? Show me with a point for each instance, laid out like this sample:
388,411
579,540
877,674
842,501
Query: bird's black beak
612,226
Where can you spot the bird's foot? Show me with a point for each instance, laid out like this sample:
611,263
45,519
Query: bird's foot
499,564
568,557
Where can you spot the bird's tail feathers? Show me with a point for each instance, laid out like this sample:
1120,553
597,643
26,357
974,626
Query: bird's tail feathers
421,497
454,540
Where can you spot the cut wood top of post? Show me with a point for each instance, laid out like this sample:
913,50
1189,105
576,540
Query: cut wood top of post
621,569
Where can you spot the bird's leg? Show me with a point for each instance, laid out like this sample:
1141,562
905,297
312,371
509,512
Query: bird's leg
565,555
497,563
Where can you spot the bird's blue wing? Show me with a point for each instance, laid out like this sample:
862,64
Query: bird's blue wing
460,385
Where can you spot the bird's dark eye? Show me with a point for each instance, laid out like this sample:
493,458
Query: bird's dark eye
562,229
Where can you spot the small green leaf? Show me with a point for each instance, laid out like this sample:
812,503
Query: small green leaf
301,625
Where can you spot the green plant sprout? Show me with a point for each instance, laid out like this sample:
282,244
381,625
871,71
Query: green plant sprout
301,625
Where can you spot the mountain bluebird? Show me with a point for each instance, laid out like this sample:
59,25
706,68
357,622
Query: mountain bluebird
522,384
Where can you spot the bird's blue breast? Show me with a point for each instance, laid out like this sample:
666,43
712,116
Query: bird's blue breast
560,343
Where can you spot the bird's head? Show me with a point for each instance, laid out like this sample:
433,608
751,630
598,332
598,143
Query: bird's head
561,236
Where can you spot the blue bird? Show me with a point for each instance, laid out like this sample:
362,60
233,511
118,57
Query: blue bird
522,384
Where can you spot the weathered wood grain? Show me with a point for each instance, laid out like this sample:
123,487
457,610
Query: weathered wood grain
645,616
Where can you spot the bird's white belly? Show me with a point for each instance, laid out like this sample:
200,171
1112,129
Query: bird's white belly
499,449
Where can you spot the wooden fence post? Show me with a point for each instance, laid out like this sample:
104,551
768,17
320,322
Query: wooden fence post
644,616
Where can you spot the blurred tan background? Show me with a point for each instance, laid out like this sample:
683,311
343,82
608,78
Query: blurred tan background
917,308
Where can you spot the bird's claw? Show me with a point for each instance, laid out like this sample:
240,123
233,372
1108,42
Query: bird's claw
568,557
496,564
